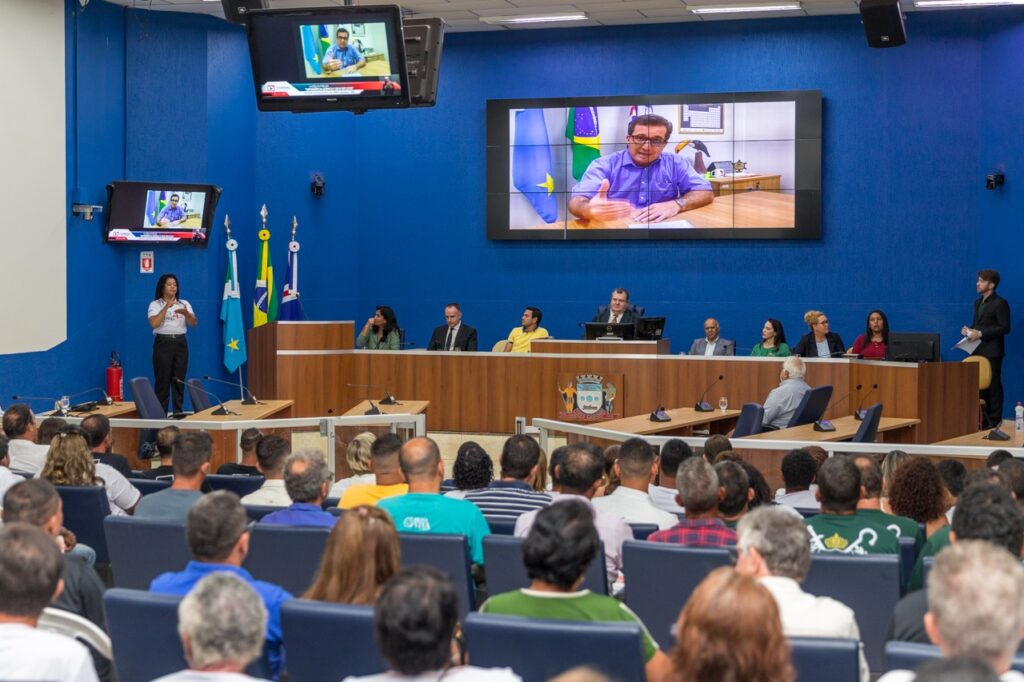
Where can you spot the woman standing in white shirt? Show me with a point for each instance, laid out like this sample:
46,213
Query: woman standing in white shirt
168,316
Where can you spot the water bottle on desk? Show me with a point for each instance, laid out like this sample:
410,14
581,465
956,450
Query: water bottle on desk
1018,417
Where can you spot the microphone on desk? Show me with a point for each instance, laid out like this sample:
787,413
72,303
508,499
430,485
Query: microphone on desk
90,405
250,399
388,398
702,406
220,411
859,414
659,415
824,425
55,401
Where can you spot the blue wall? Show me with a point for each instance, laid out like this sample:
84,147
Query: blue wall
908,136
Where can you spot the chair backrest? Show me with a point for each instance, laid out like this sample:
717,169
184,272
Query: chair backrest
868,584
255,512
503,556
286,555
239,485
909,655
447,553
501,525
312,633
142,549
146,402
499,346
660,578
908,557
197,394
812,406
638,311
642,530
147,486
984,370
868,429
822,658
85,507
554,646
749,423
77,627
808,512
926,568
330,503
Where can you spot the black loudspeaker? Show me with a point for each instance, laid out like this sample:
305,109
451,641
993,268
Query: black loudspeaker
883,23
235,10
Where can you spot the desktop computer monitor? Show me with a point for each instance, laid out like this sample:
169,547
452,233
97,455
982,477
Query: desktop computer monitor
605,330
650,328
913,347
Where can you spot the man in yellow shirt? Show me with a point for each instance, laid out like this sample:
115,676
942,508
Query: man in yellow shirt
520,338
389,480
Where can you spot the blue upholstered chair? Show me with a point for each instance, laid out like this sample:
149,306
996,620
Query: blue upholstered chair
812,406
197,394
142,549
288,556
503,556
148,486
821,658
868,429
146,402
239,485
85,507
642,530
750,421
329,641
447,553
501,525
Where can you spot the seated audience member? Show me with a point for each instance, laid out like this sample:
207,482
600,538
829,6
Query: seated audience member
248,466
819,454
872,343
663,490
578,470
1013,471
20,428
520,338
217,533
48,428
221,622
357,456
381,332
781,403
618,310
306,480
772,547
562,543
7,477
954,474
918,493
191,462
557,457
975,607
473,470
890,463
700,492
414,622
712,343
362,554
870,505
30,578
165,440
539,481
839,528
819,342
424,510
611,480
101,442
70,463
761,492
773,341
512,494
988,512
798,473
714,445
997,457
956,669
35,502
635,468
271,453
388,479
736,497
730,630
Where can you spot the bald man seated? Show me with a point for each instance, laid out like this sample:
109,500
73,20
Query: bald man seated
712,343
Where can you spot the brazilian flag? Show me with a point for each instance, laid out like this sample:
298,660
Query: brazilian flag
581,127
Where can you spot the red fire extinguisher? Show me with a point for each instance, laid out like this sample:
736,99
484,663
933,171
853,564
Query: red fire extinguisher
115,378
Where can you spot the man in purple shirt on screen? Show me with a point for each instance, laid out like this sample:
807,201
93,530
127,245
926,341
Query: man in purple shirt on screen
172,213
639,183
341,56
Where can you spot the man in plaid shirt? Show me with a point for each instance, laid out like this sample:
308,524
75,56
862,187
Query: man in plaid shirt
699,493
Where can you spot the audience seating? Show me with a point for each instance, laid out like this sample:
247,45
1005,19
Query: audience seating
142,549
288,556
822,658
330,503
812,406
258,511
239,485
501,525
503,557
447,553
537,650
908,557
660,578
329,641
85,507
336,511
146,403
926,568
909,655
147,486
868,429
62,622
869,584
807,512
642,530
750,420
197,394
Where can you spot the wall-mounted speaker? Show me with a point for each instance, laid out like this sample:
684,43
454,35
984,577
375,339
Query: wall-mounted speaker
235,10
883,23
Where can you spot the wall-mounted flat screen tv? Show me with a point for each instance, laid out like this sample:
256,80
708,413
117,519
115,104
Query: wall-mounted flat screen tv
727,165
160,212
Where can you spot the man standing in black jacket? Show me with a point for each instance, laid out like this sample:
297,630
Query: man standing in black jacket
991,323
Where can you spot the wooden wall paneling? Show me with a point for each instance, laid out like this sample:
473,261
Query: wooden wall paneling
316,335
261,348
948,399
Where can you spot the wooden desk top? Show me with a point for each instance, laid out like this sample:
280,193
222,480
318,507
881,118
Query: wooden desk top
402,407
744,209
262,410
978,438
682,417
730,178
846,428
115,410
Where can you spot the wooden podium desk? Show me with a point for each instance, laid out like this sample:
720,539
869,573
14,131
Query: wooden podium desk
401,407
577,347
225,443
846,428
683,421
978,439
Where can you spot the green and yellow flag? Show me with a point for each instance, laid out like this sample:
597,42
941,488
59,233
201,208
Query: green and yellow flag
264,305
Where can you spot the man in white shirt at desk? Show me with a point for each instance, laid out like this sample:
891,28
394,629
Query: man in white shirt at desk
781,403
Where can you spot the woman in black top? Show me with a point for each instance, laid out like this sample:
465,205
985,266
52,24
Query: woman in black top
819,342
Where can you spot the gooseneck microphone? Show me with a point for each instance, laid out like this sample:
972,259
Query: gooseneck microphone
90,405
859,414
824,425
54,401
703,406
388,399
220,411
250,399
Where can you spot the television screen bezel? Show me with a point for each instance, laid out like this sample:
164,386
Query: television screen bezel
213,193
657,322
628,330
917,339
344,15
807,138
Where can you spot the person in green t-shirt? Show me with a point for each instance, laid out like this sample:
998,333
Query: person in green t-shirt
561,545
839,528
870,505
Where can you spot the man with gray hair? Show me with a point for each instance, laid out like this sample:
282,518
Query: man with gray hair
772,547
781,403
975,607
221,624
700,493
307,481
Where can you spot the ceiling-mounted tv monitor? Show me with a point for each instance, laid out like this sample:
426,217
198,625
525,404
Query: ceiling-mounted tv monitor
160,212
423,40
328,59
